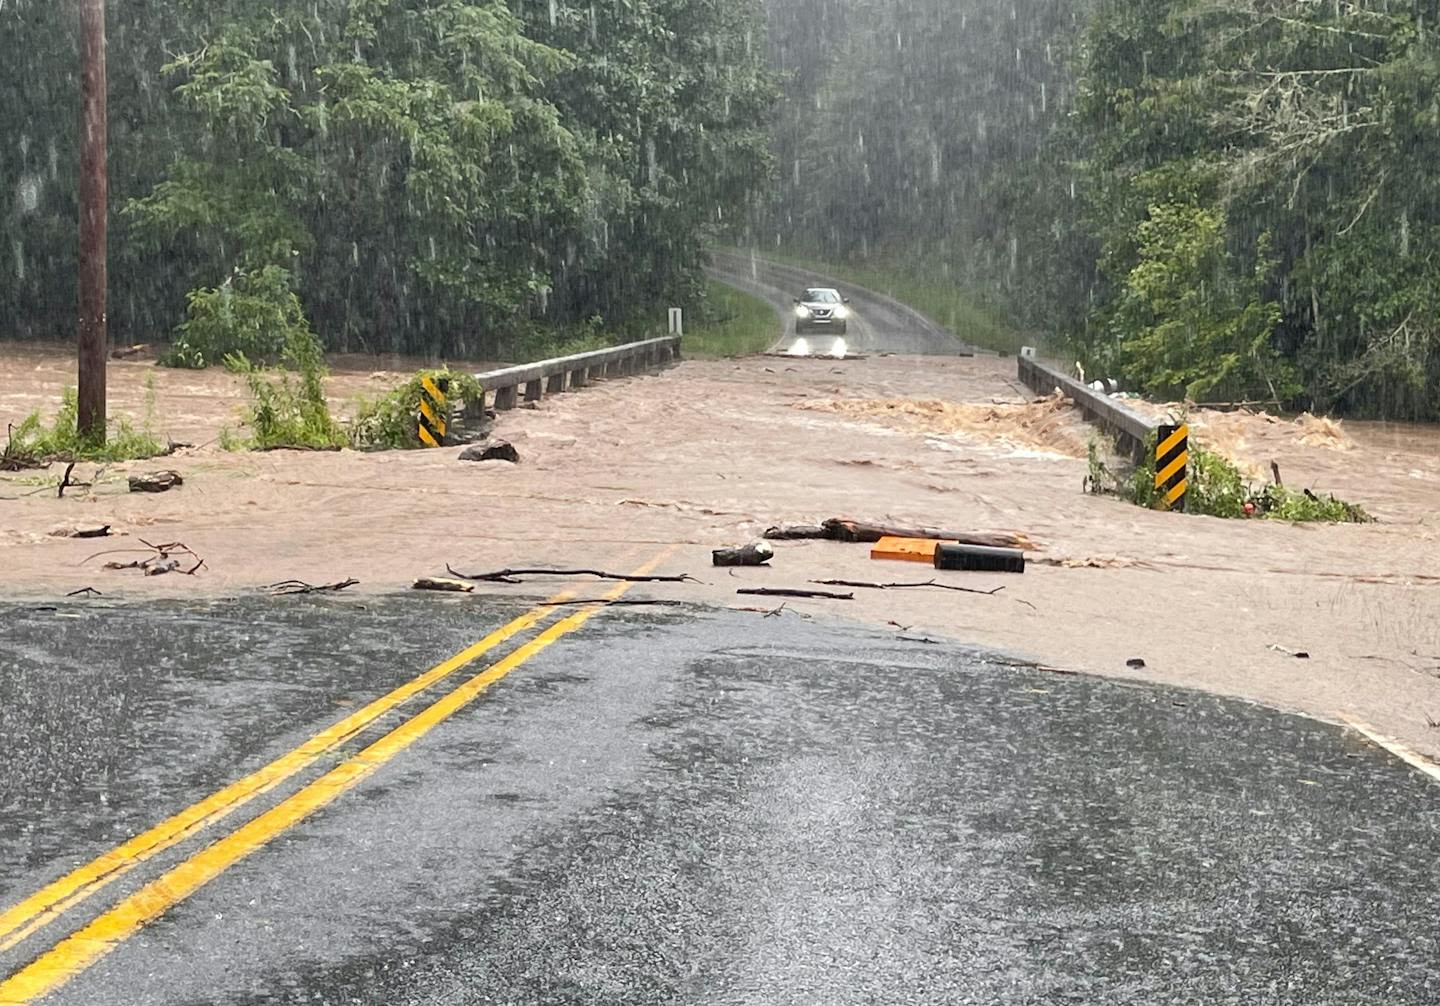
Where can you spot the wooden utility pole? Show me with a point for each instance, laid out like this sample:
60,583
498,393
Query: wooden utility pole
94,220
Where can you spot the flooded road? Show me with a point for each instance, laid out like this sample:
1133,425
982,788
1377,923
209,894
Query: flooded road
710,454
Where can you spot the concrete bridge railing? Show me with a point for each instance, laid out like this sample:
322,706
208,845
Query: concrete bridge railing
1131,430
548,377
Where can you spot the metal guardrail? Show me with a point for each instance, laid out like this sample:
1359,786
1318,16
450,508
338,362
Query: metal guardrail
1131,430
550,377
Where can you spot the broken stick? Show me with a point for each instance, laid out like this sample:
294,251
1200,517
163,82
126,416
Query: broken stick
513,575
900,586
301,587
158,564
783,592
840,529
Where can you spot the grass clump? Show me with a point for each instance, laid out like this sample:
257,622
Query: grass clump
1218,489
391,421
33,443
734,324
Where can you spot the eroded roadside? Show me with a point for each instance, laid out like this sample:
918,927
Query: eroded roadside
711,454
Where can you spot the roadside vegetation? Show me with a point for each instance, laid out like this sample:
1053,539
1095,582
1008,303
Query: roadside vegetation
390,421
1219,202
454,178
733,324
1218,489
34,442
288,409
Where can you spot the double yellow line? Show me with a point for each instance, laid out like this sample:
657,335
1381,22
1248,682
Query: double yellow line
75,953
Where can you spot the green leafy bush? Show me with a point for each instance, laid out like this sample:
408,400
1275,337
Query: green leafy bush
390,421
1218,489
62,441
255,314
288,407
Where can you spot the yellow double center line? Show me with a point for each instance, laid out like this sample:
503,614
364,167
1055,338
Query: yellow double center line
74,954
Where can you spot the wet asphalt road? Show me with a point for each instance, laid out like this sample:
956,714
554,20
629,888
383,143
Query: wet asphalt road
877,325
702,807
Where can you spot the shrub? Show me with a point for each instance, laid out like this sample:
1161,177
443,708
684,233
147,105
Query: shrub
288,407
253,314
1218,489
62,441
390,421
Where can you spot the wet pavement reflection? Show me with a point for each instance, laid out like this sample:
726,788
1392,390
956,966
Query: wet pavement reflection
722,808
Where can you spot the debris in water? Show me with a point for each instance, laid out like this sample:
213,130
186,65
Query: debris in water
1297,654
757,554
442,584
155,482
497,450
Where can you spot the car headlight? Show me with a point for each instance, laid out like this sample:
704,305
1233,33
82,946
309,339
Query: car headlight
801,311
842,312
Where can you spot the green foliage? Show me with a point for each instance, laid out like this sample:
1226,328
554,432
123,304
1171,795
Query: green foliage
1212,200
1218,489
390,421
287,407
439,177
732,324
253,315
1182,324
61,441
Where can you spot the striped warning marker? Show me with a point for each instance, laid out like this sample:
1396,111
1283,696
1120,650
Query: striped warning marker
1172,466
434,413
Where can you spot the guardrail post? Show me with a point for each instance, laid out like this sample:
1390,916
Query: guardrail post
475,408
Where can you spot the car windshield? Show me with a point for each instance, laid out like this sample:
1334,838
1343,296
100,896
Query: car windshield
821,297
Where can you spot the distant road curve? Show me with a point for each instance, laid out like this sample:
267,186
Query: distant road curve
880,324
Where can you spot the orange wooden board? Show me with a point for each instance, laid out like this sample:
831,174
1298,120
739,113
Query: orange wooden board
905,549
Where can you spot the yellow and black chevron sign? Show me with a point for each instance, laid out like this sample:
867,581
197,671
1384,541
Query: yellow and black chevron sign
434,412
1172,466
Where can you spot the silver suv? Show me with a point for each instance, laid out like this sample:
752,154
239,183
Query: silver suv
821,309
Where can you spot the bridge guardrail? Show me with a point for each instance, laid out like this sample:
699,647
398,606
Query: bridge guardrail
535,380
1131,430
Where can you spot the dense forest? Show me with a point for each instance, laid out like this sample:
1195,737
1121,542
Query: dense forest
439,176
1225,199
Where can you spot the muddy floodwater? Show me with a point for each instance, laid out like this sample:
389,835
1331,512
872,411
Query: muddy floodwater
712,453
